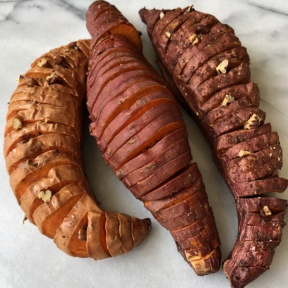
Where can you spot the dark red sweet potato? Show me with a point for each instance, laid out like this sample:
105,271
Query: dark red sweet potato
208,69
140,130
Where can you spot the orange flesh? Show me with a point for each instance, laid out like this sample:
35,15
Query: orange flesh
76,246
129,32
141,94
162,132
103,234
51,223
121,133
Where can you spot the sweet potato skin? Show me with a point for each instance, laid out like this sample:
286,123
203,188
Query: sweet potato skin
140,130
42,143
103,19
210,75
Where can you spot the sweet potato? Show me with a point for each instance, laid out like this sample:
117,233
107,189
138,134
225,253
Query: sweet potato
140,130
43,158
208,69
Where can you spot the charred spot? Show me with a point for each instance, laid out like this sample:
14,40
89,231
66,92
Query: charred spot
55,79
33,163
31,82
73,45
236,277
61,61
27,137
242,263
201,29
44,63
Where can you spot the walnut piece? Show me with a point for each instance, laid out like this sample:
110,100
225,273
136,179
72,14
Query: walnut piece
53,78
252,122
227,100
132,140
222,67
162,15
17,123
189,9
31,82
267,211
43,63
168,34
193,39
45,196
243,153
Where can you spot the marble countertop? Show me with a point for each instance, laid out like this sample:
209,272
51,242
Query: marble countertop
29,28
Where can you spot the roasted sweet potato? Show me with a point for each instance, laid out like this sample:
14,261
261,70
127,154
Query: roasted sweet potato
43,158
208,69
140,130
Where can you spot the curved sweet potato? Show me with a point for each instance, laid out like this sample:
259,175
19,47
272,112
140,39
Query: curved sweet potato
43,157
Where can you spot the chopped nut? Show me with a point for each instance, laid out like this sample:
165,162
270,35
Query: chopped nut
227,100
192,37
53,78
189,9
222,67
132,140
267,211
195,41
243,153
151,166
118,173
60,60
31,82
20,78
17,123
45,196
168,34
73,45
252,122
162,15
43,63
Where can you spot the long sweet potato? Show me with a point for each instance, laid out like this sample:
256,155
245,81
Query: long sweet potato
43,158
208,69
139,128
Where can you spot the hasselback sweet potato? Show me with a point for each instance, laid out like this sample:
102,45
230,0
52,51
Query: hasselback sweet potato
43,158
208,70
140,130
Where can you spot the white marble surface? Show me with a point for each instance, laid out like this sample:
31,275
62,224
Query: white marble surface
29,28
